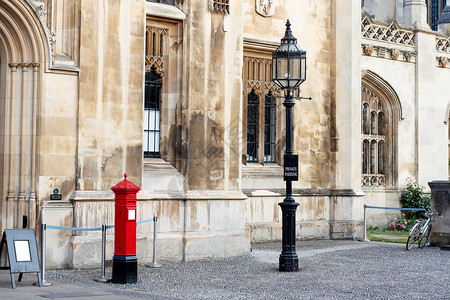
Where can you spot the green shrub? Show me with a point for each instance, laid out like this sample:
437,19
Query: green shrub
374,229
414,197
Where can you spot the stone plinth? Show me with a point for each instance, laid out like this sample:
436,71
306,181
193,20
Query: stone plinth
440,202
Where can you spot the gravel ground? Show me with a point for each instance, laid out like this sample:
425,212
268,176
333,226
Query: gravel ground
328,270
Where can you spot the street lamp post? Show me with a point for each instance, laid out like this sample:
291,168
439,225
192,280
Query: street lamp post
289,71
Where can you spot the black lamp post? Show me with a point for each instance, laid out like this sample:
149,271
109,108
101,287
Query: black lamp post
289,71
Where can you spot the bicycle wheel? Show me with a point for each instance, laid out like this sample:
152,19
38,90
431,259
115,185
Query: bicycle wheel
413,236
424,238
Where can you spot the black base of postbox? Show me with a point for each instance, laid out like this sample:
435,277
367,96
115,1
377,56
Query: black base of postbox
124,269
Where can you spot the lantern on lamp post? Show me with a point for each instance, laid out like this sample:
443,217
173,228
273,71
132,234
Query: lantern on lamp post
288,72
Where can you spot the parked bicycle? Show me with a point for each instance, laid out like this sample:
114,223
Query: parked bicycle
420,232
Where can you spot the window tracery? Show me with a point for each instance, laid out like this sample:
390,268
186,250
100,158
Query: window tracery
155,52
374,137
222,6
261,120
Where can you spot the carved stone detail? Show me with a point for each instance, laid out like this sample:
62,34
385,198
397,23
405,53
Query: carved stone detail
372,180
368,49
222,6
395,53
41,12
259,81
392,33
407,55
52,41
157,62
373,137
156,52
265,8
39,8
443,44
443,61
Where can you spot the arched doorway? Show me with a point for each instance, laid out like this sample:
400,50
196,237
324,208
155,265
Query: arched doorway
23,50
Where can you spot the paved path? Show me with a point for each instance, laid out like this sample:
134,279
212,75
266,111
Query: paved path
329,270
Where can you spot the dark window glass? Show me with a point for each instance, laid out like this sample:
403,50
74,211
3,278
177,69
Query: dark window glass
381,124
170,2
373,123
434,14
269,129
381,158
365,157
252,127
152,110
373,151
365,111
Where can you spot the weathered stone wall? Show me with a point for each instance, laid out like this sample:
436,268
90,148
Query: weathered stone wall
88,82
213,89
193,226
311,25
111,93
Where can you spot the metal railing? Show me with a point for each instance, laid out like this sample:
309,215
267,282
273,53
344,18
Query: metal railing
365,239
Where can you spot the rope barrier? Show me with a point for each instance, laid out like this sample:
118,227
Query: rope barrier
146,221
95,228
104,227
73,228
365,239
393,208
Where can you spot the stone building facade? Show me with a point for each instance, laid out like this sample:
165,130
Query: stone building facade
178,95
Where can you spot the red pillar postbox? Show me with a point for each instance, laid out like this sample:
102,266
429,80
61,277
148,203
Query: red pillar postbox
125,260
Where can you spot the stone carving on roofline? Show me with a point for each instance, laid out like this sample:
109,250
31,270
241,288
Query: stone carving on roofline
367,49
386,53
443,61
265,8
407,55
443,44
378,31
395,53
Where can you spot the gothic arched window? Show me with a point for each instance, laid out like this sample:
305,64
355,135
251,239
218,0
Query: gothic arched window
374,137
381,112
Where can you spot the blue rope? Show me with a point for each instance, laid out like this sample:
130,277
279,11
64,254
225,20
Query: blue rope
146,221
394,208
94,229
73,228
